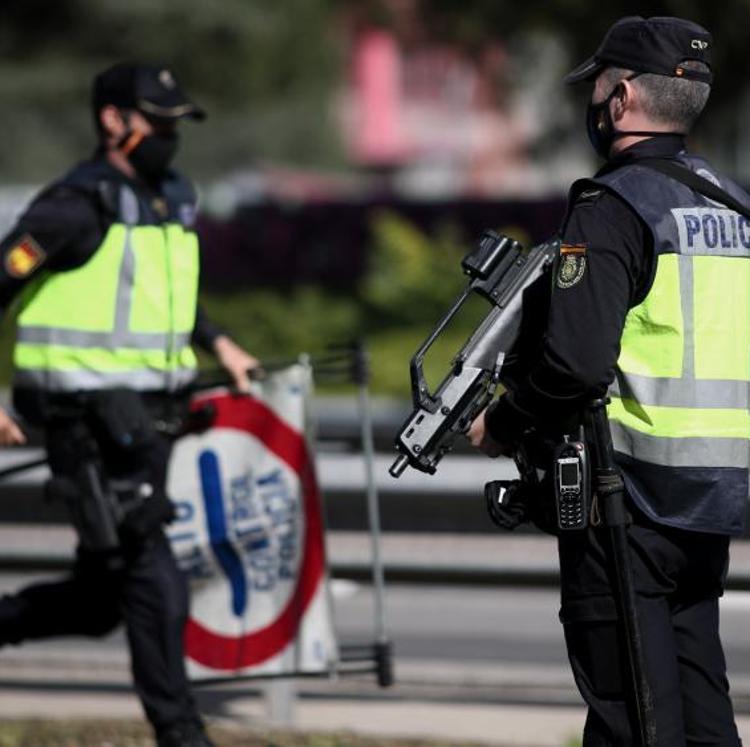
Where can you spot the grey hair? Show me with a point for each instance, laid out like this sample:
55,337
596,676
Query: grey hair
668,100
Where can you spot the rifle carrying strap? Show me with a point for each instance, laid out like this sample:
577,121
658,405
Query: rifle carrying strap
696,182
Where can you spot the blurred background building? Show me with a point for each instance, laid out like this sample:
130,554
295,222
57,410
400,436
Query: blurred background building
354,148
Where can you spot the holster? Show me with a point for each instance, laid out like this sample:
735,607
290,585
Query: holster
114,495
511,503
92,509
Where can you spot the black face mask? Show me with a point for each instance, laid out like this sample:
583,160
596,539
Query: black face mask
601,129
599,125
152,154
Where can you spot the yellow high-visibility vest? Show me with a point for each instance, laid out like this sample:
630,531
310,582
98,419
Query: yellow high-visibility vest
680,402
124,318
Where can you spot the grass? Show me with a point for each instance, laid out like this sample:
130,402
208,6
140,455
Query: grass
112,733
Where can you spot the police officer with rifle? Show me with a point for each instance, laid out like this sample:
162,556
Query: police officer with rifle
648,305
647,317
103,267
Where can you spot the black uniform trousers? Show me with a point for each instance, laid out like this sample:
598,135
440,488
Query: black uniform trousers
139,585
678,578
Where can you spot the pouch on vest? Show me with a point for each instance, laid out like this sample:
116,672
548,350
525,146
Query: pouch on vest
121,419
146,514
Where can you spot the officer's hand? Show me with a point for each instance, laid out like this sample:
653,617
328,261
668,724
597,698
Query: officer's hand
480,438
236,361
10,433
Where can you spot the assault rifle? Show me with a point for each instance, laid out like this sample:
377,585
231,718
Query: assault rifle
500,270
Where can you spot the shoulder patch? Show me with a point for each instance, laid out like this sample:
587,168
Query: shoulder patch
159,206
572,264
109,197
590,195
24,257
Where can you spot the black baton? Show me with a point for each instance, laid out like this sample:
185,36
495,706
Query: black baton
610,491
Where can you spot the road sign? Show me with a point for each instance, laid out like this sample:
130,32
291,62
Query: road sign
249,534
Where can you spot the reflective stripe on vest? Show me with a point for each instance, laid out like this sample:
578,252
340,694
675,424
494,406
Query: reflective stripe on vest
81,379
123,318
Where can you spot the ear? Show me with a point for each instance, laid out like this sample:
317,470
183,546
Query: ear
624,100
112,121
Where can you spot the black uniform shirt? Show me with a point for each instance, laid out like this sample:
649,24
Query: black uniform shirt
581,343
62,229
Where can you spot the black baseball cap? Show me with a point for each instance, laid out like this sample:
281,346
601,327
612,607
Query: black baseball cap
650,45
151,90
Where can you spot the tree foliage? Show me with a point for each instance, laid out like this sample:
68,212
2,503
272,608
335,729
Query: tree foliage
581,24
262,69
267,71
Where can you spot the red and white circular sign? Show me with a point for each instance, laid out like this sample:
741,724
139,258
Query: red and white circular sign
249,533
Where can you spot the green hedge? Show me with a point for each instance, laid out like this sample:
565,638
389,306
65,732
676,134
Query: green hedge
409,284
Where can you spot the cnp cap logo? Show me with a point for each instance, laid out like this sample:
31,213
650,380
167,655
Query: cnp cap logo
699,44
167,79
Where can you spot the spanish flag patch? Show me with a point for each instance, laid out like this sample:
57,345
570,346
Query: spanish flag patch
23,258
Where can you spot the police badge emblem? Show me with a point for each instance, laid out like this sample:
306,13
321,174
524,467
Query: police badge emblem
572,264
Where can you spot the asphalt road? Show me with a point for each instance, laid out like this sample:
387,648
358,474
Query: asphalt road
483,627
471,663
445,637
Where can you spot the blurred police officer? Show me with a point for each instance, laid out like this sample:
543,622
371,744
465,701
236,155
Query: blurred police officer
650,304
104,266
